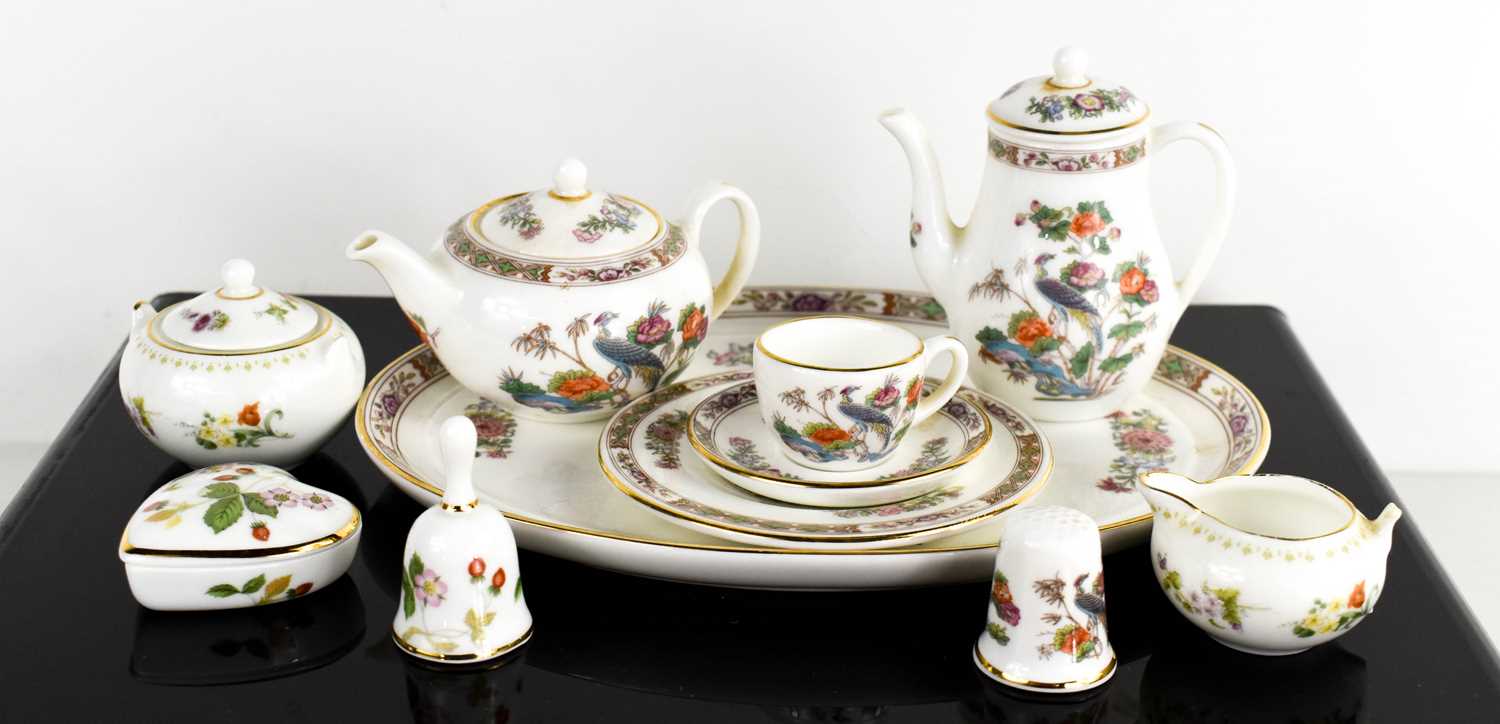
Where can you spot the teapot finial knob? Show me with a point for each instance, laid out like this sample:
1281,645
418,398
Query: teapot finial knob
571,180
1069,65
239,278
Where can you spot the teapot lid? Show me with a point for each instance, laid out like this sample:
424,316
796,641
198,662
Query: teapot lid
1070,101
567,221
238,317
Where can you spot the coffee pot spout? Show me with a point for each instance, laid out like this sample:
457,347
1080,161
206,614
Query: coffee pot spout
934,236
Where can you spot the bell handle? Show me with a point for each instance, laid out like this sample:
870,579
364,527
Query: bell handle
745,249
1218,224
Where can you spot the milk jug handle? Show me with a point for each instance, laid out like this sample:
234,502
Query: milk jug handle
1218,224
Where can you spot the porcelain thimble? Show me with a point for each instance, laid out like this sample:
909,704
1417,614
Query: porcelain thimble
1045,624
461,596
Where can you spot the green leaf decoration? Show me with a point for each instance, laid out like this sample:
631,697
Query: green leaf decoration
476,629
1303,631
276,586
223,513
1045,345
1126,331
1080,362
518,588
219,490
415,567
1172,581
408,596
1115,364
257,504
1103,212
254,584
989,334
223,590
998,633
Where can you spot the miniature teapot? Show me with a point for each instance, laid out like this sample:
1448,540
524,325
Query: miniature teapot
566,303
242,373
1266,564
1060,283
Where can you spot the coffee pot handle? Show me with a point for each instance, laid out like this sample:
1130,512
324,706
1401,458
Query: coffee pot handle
745,250
1218,224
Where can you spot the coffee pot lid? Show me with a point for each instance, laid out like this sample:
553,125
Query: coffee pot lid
1069,101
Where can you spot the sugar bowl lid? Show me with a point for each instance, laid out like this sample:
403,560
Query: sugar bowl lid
237,510
567,221
1070,101
238,317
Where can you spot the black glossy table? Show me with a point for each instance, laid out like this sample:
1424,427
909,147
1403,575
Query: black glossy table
607,646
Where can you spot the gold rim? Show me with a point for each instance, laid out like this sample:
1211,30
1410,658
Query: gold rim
1353,511
714,457
312,545
438,656
220,294
1109,669
325,323
472,227
381,460
761,347
1008,124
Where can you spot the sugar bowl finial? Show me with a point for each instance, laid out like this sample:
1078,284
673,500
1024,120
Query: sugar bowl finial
461,596
238,276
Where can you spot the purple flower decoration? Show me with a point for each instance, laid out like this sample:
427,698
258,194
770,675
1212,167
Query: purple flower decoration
1238,423
609,274
1085,275
885,396
316,501
1088,102
390,403
429,588
809,303
531,232
158,505
587,237
650,330
200,322
1010,613
1149,293
279,498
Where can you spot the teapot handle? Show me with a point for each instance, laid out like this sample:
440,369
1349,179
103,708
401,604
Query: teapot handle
1218,225
745,249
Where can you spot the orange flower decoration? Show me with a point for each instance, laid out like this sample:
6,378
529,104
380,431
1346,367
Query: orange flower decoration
1031,330
1087,223
1077,637
250,414
1357,597
578,388
694,326
829,435
1132,281
914,392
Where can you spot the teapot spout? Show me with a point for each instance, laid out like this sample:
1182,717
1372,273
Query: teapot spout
419,288
934,236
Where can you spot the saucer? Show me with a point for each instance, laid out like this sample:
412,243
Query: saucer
726,430
635,456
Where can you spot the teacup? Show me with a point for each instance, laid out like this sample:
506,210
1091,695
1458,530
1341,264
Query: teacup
841,392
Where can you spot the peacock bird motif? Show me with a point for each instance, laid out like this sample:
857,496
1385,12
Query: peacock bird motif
1090,602
867,418
629,358
1067,301
885,414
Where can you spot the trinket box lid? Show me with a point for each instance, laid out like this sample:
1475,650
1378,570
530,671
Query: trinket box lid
567,221
238,510
238,318
1069,101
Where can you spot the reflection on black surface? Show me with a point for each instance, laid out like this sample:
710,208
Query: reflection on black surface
1200,680
381,553
997,703
476,693
192,648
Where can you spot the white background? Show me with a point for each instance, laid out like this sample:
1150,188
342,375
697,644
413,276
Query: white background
141,146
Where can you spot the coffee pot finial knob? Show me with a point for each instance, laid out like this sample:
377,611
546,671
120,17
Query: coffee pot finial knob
571,180
1069,67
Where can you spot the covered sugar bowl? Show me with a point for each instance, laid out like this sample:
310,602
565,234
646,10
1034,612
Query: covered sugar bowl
240,373
236,535
563,304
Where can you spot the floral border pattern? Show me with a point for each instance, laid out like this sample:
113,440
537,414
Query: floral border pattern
1037,159
656,257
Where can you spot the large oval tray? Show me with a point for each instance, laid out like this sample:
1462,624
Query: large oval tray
1193,418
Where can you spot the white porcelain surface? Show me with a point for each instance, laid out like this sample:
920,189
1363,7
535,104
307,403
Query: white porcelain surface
1045,625
1060,283
685,492
240,373
1266,564
564,304
236,535
840,393
461,599
726,431
546,479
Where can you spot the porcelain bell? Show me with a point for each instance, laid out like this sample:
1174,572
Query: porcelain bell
241,373
461,598
564,304
1060,284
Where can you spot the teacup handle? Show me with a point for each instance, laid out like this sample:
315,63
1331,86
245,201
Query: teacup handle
745,250
942,344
